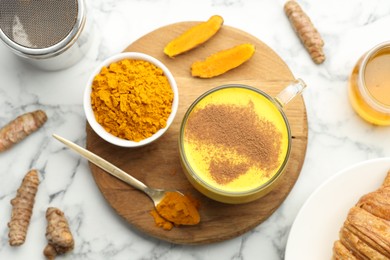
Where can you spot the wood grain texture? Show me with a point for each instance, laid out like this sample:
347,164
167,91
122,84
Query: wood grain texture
158,164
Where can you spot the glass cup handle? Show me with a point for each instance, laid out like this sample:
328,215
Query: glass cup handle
292,90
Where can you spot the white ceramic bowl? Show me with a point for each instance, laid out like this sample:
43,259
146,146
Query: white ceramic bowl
91,117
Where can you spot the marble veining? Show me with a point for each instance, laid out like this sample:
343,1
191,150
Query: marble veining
338,138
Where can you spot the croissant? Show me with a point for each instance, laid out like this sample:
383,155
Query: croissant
365,233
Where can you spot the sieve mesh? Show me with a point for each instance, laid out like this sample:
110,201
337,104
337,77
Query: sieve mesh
37,24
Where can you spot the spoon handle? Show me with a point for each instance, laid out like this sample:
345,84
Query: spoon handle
105,165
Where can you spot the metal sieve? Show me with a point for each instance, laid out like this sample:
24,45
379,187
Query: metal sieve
45,32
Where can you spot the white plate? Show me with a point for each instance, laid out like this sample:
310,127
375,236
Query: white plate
319,220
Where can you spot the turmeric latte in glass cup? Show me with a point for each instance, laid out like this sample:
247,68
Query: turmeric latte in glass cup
235,141
369,85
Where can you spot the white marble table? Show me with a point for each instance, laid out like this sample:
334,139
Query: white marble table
338,138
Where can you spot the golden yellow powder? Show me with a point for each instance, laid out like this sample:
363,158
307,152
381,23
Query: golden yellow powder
131,99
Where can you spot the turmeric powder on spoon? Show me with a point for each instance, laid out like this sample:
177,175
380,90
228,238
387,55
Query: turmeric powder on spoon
176,209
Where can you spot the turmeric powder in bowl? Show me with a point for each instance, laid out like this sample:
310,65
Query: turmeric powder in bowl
131,99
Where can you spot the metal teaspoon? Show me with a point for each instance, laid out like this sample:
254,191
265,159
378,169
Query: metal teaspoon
155,194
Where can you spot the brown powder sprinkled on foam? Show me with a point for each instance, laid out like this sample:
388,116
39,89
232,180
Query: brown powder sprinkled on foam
225,171
238,128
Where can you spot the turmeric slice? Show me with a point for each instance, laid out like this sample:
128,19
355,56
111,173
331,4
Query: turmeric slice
19,128
59,237
305,30
22,207
193,37
223,61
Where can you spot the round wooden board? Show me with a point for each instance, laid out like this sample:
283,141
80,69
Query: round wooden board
158,165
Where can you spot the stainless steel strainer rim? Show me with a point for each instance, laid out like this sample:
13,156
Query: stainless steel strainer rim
53,50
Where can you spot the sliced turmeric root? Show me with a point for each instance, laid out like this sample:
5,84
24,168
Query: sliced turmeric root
223,61
193,37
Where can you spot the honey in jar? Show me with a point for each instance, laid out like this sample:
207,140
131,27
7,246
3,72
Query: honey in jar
369,85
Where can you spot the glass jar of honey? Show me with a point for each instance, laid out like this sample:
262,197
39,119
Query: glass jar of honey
369,85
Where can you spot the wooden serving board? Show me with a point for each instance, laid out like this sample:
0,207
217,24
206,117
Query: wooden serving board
158,164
